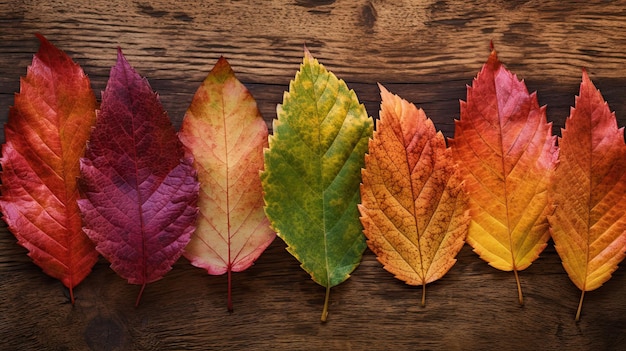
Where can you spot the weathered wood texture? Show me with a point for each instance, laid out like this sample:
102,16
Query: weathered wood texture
425,51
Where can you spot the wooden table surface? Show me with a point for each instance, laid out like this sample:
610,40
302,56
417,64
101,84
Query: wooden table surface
427,52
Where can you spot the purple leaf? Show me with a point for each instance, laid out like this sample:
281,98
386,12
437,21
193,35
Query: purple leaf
139,190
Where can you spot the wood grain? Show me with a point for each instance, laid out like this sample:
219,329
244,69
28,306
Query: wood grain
425,51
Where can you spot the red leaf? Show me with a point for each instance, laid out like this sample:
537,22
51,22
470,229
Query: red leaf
46,134
506,154
140,191
589,191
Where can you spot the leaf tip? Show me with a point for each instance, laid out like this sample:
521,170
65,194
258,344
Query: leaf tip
382,89
493,60
307,54
120,54
122,63
222,70
49,53
42,38
585,75
222,61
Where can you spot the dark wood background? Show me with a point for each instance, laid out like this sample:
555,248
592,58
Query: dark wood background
424,50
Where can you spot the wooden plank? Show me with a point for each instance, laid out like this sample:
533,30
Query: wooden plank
425,51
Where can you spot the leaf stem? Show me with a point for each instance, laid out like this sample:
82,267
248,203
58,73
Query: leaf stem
580,306
519,288
72,295
140,293
325,310
424,295
229,303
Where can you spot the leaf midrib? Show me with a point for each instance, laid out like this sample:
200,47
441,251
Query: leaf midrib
320,163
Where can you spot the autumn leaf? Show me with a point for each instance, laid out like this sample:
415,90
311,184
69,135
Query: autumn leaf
589,191
226,134
312,174
46,134
139,190
414,208
506,154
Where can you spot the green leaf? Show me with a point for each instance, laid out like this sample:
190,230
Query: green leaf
313,171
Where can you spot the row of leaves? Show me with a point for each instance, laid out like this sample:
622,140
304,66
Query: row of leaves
78,180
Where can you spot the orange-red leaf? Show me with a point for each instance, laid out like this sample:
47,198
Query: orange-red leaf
589,191
413,206
506,153
46,134
225,132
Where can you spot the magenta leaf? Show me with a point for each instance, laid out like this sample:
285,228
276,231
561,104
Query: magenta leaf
139,190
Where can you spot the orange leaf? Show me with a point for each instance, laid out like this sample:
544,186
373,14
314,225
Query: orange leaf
46,134
589,191
413,206
506,153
